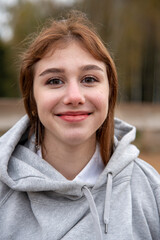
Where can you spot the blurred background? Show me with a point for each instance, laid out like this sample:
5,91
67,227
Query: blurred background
131,32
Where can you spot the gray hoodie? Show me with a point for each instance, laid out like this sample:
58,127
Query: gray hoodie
38,203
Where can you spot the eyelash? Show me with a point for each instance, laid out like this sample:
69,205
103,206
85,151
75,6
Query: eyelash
50,81
90,77
58,81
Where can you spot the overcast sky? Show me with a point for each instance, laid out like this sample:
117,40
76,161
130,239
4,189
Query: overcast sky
5,31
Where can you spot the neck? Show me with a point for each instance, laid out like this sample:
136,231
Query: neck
69,160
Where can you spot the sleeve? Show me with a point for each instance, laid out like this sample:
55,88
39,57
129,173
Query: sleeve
145,192
157,195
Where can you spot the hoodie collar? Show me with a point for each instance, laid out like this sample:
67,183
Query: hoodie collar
23,170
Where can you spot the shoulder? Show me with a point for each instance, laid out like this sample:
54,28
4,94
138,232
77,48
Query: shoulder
16,131
145,185
143,170
145,200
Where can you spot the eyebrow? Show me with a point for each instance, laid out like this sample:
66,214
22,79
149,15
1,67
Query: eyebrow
91,67
52,70
61,70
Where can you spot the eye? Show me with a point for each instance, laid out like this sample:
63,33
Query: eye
89,80
54,81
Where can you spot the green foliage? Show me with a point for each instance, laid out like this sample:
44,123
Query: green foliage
9,86
27,17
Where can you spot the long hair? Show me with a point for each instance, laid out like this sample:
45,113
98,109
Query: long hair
76,27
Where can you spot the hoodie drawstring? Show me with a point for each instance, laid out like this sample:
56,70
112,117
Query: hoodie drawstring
94,211
107,205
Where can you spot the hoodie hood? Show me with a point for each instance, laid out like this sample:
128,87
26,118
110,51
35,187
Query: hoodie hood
23,170
37,202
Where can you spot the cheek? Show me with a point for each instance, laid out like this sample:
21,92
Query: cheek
46,101
101,101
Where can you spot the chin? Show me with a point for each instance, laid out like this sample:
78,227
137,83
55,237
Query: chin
78,139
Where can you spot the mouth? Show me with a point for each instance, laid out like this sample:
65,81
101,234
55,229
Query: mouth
73,113
74,116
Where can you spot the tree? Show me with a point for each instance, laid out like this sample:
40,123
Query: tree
130,30
26,17
9,86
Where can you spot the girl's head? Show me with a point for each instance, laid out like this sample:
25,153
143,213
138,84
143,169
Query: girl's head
59,34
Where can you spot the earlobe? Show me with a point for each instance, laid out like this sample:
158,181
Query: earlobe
34,113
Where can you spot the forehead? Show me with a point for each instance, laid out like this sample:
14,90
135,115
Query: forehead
68,55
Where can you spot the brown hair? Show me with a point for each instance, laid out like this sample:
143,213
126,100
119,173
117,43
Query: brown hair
75,27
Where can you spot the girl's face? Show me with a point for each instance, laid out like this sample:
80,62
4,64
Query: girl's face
71,91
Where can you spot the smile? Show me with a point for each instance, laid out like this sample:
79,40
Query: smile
73,116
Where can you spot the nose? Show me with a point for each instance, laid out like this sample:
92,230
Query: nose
74,95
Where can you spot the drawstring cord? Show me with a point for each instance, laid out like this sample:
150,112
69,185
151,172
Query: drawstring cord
108,201
94,212
107,206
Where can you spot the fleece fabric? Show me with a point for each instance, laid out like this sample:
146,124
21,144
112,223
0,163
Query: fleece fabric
38,203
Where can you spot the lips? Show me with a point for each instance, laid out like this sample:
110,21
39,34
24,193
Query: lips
73,116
